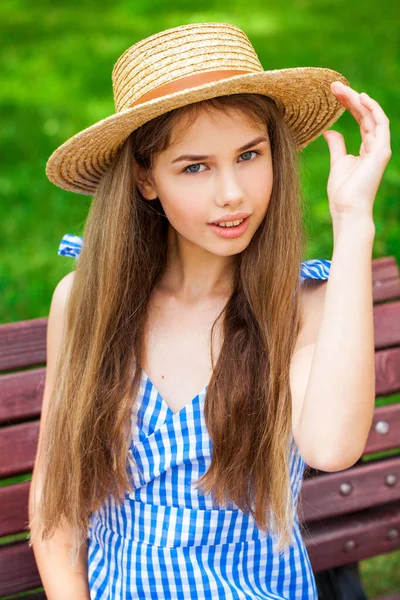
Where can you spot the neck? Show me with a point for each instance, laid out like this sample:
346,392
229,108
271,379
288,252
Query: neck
193,273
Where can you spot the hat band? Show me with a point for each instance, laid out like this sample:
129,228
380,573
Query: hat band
187,82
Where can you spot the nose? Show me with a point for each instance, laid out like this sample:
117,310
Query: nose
228,190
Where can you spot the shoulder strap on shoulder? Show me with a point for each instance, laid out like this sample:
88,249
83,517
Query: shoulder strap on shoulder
70,245
315,268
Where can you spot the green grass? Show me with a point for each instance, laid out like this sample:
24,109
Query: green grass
56,80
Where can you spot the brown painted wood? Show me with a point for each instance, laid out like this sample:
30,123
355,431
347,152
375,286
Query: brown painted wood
18,570
386,325
21,395
385,279
14,508
385,430
387,370
321,497
18,445
350,538
23,344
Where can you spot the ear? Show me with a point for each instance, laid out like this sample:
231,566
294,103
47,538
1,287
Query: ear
144,182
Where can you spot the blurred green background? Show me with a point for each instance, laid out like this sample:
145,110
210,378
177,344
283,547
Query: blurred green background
56,80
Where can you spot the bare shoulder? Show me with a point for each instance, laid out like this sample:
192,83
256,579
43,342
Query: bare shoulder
56,323
63,288
57,311
312,301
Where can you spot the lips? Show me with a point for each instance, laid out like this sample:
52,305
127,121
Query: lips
230,217
229,223
230,233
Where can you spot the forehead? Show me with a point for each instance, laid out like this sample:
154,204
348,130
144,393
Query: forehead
201,123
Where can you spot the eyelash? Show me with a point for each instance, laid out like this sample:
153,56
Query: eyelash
194,164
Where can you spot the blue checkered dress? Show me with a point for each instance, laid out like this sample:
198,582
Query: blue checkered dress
167,540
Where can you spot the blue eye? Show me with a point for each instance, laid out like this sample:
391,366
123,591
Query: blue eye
250,152
195,165
186,169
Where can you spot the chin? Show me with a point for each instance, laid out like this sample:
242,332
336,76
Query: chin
230,251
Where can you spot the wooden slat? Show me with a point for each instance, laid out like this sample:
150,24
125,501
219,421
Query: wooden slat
18,444
321,497
385,430
387,371
23,344
348,539
387,325
21,395
385,279
14,500
18,570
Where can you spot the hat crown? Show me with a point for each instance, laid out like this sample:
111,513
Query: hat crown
180,52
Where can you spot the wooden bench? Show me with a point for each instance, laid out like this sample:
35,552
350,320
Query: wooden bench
348,516
354,514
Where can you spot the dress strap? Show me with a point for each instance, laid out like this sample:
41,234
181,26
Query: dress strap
315,268
70,245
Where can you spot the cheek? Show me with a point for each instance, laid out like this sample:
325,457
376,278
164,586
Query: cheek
260,188
184,212
266,178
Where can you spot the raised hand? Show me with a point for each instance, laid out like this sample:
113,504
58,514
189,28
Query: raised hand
354,180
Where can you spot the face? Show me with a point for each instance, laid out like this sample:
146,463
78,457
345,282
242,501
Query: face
219,167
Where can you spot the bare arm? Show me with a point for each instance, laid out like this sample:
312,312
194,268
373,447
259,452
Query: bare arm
333,376
60,580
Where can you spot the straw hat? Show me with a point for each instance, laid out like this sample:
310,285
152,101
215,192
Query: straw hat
183,65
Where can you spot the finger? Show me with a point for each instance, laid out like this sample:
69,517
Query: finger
351,100
380,118
367,124
336,144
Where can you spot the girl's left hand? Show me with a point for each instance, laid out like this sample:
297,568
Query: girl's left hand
354,180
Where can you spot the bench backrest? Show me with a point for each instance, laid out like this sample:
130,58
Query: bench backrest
323,496
353,514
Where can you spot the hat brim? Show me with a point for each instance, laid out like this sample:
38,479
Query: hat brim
302,93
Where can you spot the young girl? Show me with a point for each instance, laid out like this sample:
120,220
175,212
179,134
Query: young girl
201,364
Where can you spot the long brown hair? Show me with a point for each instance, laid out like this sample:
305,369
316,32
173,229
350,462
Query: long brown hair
248,404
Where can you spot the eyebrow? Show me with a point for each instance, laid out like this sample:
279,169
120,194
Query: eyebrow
254,142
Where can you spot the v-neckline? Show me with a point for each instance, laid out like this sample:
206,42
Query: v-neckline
164,403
